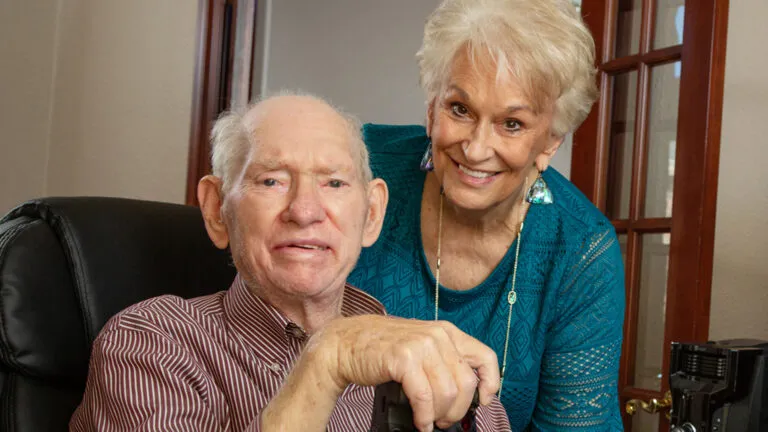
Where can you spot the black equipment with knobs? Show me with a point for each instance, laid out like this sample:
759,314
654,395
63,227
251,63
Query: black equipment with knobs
719,386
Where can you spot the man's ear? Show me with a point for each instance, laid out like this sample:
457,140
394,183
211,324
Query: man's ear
210,197
378,196
543,159
430,116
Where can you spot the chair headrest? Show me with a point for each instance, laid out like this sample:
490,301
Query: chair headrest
68,264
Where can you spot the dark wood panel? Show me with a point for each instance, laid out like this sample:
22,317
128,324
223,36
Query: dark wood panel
206,85
588,154
217,25
644,226
694,202
657,57
640,393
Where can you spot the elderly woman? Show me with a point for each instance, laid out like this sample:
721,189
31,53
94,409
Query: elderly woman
481,233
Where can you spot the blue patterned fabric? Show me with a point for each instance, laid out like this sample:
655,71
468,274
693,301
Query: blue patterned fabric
566,331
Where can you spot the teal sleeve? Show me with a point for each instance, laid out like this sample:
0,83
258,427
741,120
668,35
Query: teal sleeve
578,388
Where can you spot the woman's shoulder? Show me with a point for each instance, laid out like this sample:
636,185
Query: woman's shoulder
573,208
395,155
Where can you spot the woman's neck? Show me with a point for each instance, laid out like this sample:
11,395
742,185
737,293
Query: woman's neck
502,217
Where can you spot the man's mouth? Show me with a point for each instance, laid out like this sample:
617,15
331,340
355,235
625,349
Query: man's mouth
475,173
307,244
310,247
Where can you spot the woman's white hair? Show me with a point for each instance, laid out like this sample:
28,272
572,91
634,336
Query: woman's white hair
542,43
235,133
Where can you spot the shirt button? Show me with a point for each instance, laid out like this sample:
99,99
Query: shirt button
275,367
296,332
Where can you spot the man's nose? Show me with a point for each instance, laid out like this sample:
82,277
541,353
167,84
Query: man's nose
305,206
479,145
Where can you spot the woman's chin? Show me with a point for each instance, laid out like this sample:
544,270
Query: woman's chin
471,200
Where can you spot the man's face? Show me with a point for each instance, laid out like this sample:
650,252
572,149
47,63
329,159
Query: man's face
297,215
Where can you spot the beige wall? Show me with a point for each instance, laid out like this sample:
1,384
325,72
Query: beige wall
362,62
27,41
740,281
105,91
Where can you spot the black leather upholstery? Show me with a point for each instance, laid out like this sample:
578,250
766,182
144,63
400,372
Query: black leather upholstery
66,266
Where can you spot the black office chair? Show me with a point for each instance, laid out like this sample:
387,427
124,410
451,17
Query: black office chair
66,266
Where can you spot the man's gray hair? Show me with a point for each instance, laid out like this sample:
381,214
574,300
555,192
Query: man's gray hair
234,134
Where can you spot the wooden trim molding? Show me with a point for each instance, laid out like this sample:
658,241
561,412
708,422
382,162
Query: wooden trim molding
205,86
220,75
692,248
211,84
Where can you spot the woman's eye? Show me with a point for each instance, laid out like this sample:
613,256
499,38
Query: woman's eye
512,125
459,109
335,183
269,182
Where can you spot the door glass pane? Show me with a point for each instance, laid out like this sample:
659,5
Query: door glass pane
628,27
662,139
242,61
622,137
669,23
652,304
644,422
623,246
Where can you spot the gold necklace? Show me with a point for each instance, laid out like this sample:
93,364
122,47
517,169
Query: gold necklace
511,297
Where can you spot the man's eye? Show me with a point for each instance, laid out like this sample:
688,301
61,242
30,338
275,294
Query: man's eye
459,109
512,125
335,183
269,182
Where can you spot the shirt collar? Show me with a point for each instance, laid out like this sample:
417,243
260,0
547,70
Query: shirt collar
261,324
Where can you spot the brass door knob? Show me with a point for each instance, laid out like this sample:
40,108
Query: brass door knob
651,406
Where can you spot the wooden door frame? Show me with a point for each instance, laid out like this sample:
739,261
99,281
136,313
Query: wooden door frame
214,65
695,182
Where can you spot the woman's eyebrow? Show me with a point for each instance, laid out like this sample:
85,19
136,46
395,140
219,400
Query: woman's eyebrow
509,109
462,94
518,107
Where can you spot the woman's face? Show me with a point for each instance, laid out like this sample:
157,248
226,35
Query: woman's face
486,136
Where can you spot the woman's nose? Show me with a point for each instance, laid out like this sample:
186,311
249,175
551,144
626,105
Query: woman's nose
478,146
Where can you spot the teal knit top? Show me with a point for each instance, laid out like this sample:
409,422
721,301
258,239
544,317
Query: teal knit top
566,330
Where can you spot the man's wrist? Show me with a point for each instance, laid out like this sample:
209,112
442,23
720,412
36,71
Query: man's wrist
322,357
310,391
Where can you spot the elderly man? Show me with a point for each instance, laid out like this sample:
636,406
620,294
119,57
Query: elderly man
289,346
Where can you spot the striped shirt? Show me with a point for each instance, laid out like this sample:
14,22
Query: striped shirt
211,363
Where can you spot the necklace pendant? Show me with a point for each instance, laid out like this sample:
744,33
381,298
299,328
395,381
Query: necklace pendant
512,297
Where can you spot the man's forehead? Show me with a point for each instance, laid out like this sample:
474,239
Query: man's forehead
320,165
299,132
316,155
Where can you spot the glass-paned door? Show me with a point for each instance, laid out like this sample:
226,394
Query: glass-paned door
629,157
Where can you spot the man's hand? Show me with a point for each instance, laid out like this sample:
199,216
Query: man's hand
438,365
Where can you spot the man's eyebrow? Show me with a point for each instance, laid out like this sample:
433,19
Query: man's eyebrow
268,165
275,166
334,169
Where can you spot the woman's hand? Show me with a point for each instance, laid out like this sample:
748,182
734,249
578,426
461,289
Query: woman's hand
438,365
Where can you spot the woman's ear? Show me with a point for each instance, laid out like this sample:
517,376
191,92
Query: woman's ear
211,200
430,116
378,196
543,159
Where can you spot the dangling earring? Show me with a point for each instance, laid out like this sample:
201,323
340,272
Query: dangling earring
426,161
539,192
